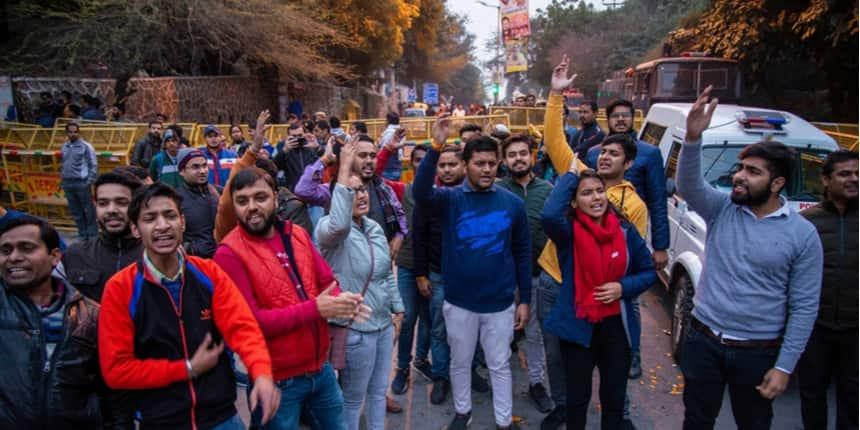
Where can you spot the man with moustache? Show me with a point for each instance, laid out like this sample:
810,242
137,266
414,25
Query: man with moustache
757,297
90,263
199,203
292,292
147,147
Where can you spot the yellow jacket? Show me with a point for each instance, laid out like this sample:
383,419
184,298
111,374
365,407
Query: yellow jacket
623,196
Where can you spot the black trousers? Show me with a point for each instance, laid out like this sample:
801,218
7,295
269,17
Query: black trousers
610,352
829,354
709,366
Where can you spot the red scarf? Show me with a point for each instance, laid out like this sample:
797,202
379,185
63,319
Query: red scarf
599,256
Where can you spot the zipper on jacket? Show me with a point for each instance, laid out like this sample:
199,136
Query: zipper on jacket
177,309
118,254
48,367
841,268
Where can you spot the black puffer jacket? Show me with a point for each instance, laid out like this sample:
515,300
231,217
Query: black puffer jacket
65,391
144,151
838,306
199,205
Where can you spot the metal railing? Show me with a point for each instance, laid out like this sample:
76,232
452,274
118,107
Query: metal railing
846,135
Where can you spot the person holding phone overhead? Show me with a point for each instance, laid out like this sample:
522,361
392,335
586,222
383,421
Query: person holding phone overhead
161,326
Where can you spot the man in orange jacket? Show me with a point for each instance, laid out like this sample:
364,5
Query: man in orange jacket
162,323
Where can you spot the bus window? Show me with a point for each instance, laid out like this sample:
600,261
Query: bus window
676,80
718,77
652,133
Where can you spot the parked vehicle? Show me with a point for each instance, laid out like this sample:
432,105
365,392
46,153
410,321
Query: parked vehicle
733,128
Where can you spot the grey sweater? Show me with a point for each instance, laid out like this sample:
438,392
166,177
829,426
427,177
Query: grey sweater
761,277
79,162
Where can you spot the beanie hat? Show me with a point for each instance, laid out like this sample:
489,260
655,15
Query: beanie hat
168,134
186,154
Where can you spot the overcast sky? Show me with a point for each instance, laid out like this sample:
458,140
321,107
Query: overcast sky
483,23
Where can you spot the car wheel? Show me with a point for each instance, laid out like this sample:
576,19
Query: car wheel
683,304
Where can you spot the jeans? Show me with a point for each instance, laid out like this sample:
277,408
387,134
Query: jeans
543,300
496,332
417,311
610,352
81,207
438,334
535,355
233,423
829,353
708,366
365,378
318,394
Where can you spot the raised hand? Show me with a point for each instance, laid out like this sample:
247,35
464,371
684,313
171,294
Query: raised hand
700,115
261,130
441,129
560,80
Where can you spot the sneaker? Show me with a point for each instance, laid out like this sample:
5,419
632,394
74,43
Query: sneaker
423,368
439,393
479,384
626,424
401,381
635,366
460,422
555,419
538,394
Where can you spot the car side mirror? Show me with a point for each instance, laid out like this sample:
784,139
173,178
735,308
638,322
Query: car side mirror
670,187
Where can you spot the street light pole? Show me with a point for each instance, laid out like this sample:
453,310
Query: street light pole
497,74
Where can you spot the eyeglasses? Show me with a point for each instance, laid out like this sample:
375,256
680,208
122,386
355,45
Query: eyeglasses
619,115
361,189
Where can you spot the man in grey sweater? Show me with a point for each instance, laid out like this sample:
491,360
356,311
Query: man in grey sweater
757,298
77,173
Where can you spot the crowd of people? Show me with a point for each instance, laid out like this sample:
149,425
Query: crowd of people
301,272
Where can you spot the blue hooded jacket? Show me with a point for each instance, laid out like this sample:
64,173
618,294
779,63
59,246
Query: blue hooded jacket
640,274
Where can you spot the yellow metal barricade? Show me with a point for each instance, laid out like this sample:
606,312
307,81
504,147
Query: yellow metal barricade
844,134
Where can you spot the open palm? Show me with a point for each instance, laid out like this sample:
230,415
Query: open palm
700,115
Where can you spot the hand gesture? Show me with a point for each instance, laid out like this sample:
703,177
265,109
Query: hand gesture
328,154
441,129
313,144
608,293
259,133
206,356
267,396
560,80
291,143
700,115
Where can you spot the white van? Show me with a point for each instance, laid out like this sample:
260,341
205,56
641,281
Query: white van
732,128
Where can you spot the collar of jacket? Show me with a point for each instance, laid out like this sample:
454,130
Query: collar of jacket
124,242
850,206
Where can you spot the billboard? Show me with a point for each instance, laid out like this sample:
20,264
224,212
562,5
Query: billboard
516,56
515,19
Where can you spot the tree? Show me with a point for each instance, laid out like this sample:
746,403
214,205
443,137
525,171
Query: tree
788,51
167,37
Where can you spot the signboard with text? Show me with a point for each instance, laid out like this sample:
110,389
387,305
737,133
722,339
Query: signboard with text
515,19
516,56
431,93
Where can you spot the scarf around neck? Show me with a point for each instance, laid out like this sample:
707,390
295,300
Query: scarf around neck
599,257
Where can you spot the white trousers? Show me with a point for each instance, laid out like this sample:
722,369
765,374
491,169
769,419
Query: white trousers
496,333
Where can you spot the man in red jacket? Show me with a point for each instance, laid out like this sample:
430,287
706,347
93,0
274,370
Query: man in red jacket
161,326
292,292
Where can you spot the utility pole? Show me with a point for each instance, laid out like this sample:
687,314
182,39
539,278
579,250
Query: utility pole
497,74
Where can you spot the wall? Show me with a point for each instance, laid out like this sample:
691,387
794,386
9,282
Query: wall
205,99
26,91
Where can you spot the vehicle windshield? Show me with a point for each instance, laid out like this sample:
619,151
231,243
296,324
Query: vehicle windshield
719,163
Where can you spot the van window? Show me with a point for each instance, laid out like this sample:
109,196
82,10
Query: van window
653,133
672,162
719,163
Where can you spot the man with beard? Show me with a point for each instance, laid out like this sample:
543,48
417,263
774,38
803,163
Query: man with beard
757,296
832,347
517,156
48,337
157,311
146,148
292,292
199,203
90,263
483,226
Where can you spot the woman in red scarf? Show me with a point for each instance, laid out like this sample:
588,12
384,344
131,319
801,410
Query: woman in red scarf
604,264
